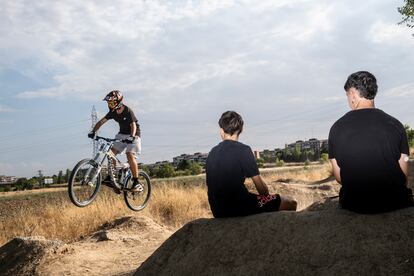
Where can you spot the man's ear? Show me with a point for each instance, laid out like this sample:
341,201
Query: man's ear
222,134
354,93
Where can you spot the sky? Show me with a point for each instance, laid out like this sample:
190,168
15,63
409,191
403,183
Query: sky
181,64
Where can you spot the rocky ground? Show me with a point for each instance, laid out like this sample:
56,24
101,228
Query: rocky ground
320,239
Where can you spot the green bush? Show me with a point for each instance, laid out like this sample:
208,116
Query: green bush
195,168
324,158
165,170
279,163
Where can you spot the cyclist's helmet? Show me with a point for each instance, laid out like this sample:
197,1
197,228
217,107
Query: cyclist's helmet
114,99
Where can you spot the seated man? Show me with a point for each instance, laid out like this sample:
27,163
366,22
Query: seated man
228,164
368,151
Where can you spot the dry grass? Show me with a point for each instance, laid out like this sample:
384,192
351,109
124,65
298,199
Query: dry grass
173,203
55,217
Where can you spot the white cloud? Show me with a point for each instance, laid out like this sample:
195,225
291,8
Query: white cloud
382,32
4,108
405,90
95,47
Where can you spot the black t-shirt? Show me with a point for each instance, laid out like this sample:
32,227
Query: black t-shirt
228,164
367,145
124,119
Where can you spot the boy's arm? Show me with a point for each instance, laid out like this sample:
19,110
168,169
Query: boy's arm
336,170
403,161
260,185
133,126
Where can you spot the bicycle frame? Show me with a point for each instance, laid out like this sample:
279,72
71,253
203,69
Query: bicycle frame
106,153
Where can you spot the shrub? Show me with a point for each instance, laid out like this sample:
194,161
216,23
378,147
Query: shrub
165,170
324,158
279,163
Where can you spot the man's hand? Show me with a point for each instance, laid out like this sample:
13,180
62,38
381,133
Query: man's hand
92,134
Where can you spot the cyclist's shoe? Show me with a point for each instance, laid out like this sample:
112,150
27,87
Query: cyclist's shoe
137,187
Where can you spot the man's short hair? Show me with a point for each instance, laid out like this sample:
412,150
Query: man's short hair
364,82
231,122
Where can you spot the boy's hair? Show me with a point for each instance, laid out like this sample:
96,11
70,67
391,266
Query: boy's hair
364,82
231,122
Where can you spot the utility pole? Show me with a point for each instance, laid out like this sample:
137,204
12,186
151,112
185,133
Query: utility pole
40,178
95,144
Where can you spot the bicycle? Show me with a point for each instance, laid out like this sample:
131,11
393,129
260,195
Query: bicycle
85,179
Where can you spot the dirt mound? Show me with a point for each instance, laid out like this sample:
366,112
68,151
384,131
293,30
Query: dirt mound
323,240
22,256
116,249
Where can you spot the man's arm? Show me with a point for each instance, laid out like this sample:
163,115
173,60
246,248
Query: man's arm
99,124
336,170
404,163
133,129
260,185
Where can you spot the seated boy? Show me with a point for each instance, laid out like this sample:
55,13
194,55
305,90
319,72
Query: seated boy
228,165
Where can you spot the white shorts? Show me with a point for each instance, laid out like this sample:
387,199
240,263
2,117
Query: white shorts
134,147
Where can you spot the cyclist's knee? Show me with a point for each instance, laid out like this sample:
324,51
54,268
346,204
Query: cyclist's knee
131,154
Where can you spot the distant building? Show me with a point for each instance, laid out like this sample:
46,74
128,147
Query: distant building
312,144
196,157
7,180
47,181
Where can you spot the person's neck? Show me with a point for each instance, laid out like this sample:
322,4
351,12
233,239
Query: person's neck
231,138
365,104
119,110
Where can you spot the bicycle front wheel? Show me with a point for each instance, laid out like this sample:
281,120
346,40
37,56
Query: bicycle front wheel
138,200
84,183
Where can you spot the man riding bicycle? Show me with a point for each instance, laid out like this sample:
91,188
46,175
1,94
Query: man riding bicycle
128,130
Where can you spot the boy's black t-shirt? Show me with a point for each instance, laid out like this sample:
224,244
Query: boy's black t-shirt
228,164
124,119
367,145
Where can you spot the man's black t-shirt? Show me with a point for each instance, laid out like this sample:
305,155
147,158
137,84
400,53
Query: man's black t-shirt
124,119
228,164
367,145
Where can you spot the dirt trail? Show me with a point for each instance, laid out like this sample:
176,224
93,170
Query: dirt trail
118,249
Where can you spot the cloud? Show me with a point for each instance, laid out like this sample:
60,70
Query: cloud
151,48
405,90
382,32
4,108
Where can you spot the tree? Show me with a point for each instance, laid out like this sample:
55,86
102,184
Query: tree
407,11
59,179
165,170
279,163
297,154
260,162
324,158
25,184
195,168
67,175
183,165
410,135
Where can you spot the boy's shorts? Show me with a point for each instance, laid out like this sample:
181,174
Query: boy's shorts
268,203
134,147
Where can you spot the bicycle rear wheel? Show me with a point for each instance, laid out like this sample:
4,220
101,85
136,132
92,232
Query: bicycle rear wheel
137,201
84,183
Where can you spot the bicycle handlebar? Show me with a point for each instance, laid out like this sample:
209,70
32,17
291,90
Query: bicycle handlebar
112,140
